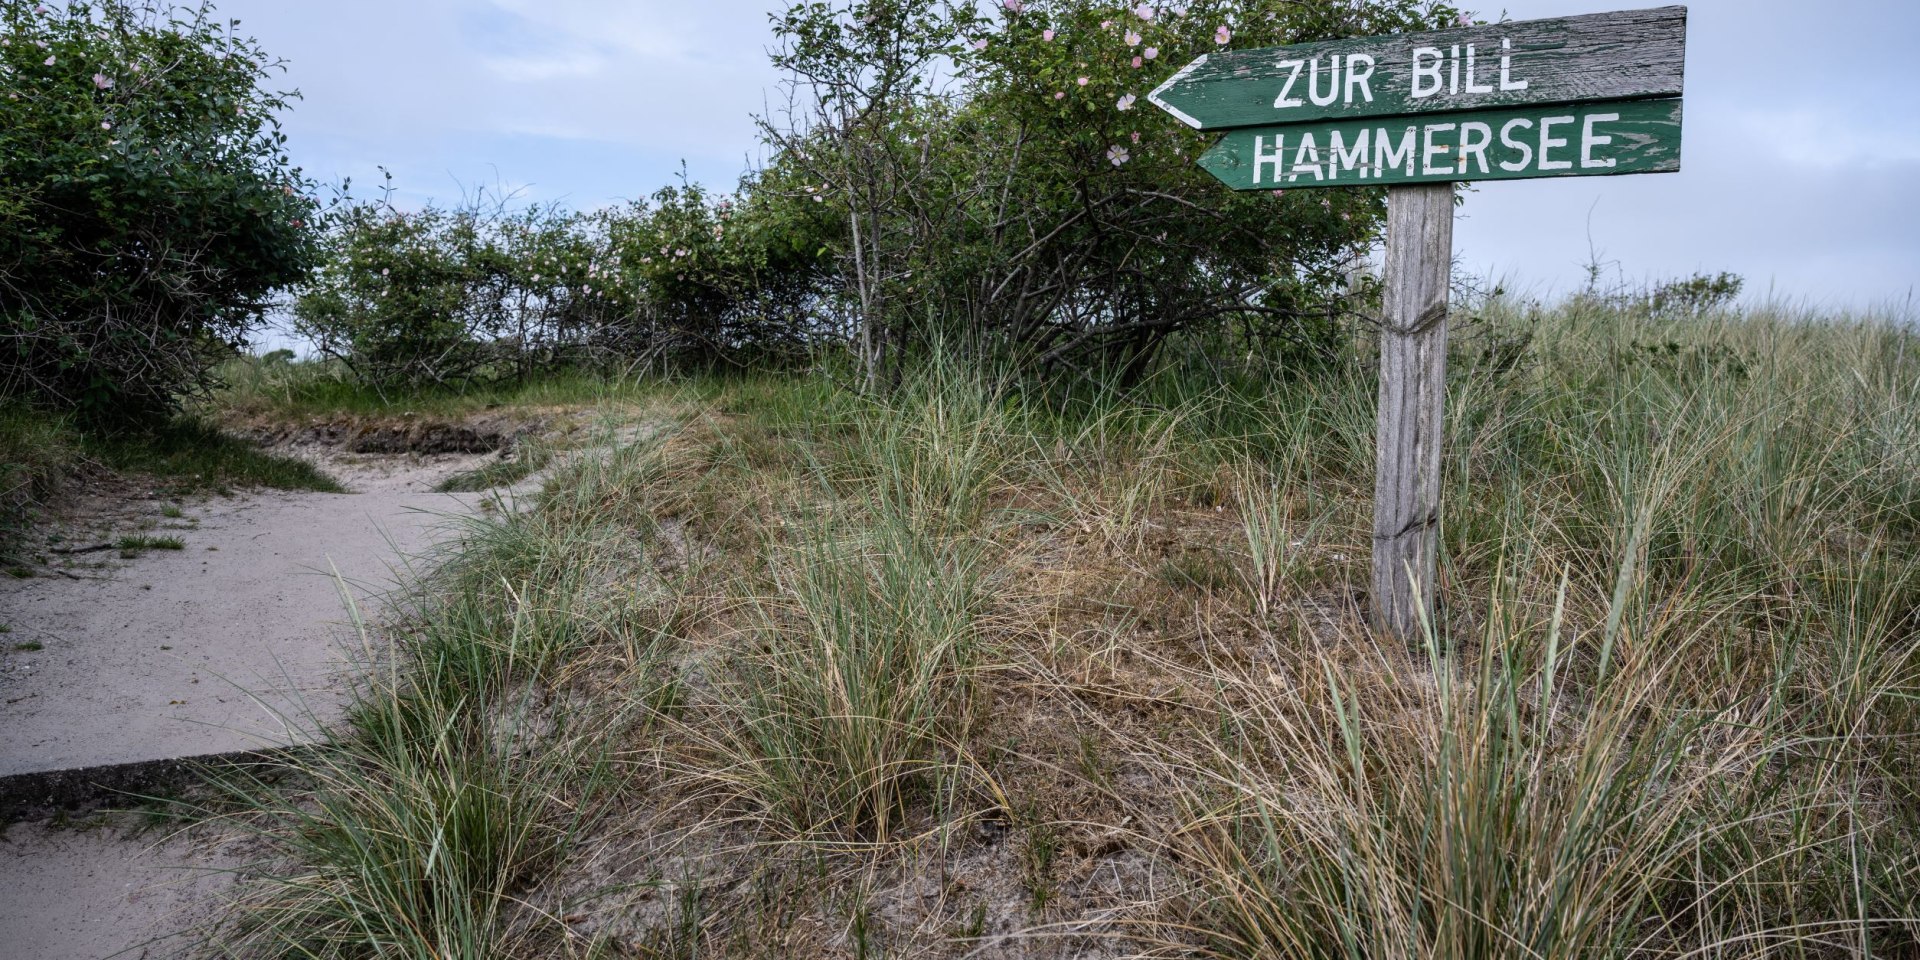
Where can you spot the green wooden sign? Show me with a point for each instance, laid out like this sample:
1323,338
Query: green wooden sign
1627,55
1594,139
1583,96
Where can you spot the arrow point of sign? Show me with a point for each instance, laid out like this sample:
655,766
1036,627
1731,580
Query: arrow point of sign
1220,159
1178,114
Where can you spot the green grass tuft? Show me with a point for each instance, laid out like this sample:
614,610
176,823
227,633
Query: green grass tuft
38,456
193,455
294,392
136,543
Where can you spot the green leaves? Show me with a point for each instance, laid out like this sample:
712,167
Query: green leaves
1019,190
491,291
146,210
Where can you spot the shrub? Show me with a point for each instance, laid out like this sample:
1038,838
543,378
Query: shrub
1005,182
717,277
488,292
147,210
441,296
1696,294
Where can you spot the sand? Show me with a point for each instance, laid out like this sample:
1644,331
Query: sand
236,642
233,643
100,889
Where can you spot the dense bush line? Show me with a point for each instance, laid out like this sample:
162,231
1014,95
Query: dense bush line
998,184
487,291
994,182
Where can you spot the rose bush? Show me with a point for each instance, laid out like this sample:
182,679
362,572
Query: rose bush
1011,187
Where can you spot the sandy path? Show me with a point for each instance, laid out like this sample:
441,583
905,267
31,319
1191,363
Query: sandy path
98,890
235,642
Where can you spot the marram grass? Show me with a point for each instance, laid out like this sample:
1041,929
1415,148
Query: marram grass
1112,646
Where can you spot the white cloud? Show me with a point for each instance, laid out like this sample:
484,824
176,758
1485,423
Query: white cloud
678,77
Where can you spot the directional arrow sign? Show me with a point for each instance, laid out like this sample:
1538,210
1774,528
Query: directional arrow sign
1583,140
1629,55
1578,96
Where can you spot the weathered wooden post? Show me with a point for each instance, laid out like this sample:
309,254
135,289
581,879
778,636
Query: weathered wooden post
1592,95
1413,396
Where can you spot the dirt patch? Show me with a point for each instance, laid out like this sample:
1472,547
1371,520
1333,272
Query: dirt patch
400,434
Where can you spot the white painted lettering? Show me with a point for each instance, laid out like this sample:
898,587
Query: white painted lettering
1306,158
1340,156
1548,141
1588,140
1387,158
1275,159
1507,83
1473,87
1430,151
1355,78
1283,101
1425,72
1333,83
1475,137
1453,87
1507,140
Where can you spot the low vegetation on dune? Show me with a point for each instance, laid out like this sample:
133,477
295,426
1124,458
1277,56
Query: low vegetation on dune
975,670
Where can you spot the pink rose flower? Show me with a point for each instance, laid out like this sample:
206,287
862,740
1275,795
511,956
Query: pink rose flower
1222,36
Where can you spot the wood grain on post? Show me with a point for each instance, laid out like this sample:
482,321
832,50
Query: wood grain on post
1413,393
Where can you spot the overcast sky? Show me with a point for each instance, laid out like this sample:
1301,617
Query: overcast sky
1801,158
